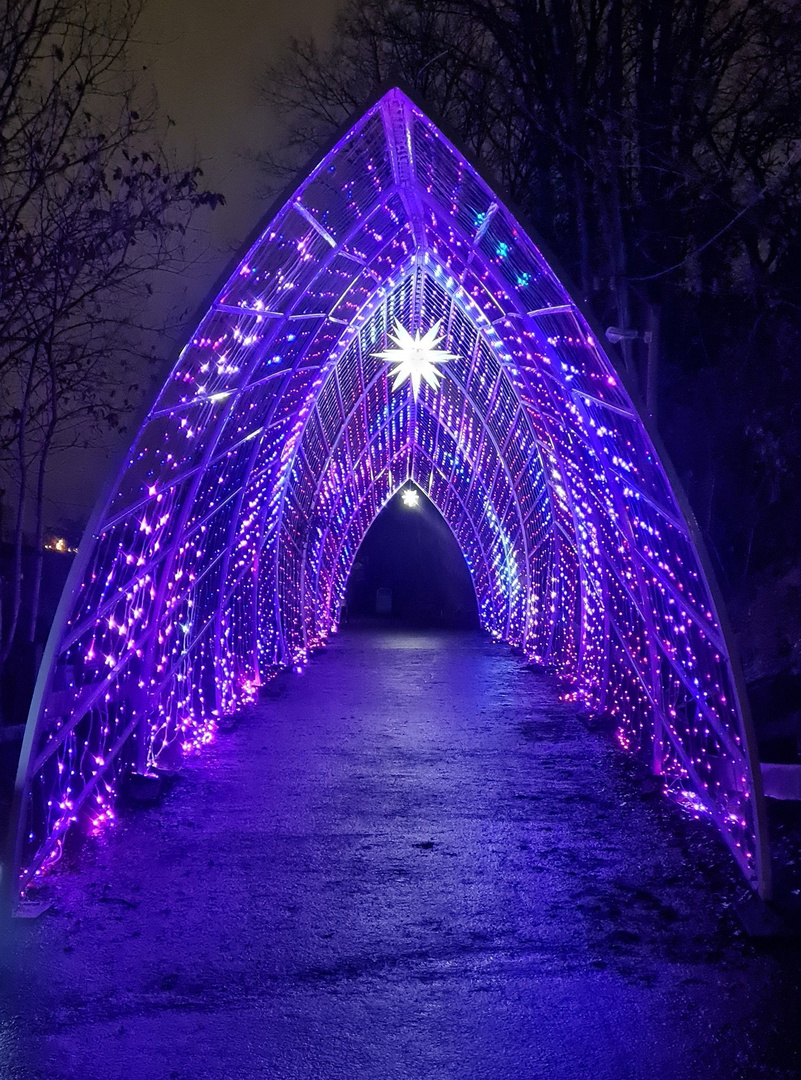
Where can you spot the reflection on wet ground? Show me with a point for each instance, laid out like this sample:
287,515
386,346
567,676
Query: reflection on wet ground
414,862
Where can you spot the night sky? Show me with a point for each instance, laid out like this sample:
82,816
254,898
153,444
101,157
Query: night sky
204,60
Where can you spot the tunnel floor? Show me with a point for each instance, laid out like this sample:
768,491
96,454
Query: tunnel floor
412,861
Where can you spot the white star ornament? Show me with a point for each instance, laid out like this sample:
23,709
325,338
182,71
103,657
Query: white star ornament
416,358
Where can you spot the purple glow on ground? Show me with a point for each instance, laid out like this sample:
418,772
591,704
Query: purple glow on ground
414,863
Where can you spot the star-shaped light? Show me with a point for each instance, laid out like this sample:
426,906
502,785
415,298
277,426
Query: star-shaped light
410,497
416,358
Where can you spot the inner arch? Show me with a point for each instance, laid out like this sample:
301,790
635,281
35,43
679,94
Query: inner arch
445,443
411,557
224,546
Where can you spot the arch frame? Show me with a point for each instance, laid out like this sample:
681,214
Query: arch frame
44,682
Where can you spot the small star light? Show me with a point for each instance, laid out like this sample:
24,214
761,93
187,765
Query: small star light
415,358
410,497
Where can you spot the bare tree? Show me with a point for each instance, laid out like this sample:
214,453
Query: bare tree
90,209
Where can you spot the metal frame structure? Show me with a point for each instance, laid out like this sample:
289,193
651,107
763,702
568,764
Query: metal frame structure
225,544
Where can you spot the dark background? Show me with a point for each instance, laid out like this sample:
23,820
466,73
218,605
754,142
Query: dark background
412,552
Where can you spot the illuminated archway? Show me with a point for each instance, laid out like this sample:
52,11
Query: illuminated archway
225,545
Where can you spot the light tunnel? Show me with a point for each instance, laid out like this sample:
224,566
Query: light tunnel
223,549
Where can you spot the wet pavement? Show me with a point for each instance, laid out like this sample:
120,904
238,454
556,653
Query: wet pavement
412,861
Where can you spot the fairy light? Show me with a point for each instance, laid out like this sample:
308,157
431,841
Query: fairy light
285,428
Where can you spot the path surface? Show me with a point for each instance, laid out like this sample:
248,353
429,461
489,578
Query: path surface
412,862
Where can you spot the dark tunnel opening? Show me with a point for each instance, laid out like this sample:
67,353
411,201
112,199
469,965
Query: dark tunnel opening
410,569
